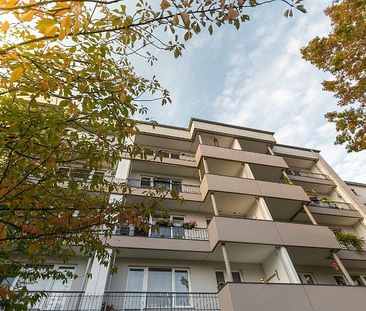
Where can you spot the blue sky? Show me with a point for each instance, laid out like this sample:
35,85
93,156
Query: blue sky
255,77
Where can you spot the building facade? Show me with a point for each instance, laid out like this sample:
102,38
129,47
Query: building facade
260,228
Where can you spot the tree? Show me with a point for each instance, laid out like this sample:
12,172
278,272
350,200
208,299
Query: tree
343,54
69,97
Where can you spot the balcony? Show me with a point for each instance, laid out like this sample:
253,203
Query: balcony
333,213
240,156
310,180
140,187
164,239
225,229
175,232
253,187
279,297
172,157
169,301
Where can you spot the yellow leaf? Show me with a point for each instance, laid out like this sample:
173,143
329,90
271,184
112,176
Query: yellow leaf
122,96
175,20
28,16
17,74
66,22
50,31
164,4
5,26
62,34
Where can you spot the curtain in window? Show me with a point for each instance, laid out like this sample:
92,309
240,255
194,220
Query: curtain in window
181,288
159,280
134,284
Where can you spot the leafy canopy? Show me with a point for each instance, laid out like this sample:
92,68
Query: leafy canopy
69,97
343,54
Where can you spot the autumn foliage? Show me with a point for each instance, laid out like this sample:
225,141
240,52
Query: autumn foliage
343,54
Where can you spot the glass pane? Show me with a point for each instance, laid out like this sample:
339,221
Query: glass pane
145,182
220,277
181,286
159,280
236,277
162,232
134,284
177,185
162,183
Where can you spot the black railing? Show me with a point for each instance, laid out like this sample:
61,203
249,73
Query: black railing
332,204
307,174
160,301
181,233
179,187
123,301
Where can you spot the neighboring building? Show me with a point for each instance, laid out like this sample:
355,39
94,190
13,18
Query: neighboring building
266,218
358,189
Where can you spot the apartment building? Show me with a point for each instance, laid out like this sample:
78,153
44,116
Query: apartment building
260,228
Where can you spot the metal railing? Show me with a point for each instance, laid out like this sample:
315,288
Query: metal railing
160,301
332,204
200,234
307,174
123,301
172,154
179,187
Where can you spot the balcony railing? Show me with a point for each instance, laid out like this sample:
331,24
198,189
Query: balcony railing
200,234
332,204
121,301
307,174
180,187
172,154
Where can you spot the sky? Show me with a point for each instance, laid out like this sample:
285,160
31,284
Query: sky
255,77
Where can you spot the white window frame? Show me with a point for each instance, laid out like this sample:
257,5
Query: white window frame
171,180
145,283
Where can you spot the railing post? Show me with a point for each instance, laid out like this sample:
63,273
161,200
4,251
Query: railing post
311,217
214,205
227,262
343,269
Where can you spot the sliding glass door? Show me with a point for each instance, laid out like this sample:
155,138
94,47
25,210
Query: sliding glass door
159,287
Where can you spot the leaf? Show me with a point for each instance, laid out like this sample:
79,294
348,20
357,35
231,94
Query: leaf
122,96
301,8
232,13
175,20
164,4
17,74
5,26
50,31
210,29
185,19
66,22
28,16
3,232
33,247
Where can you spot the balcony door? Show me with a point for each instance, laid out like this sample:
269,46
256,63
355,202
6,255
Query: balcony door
159,287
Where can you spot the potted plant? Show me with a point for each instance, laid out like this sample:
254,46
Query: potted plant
350,241
190,224
164,222
287,180
325,200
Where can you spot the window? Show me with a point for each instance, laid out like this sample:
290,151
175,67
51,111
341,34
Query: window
159,283
162,183
340,280
145,182
177,185
221,277
307,278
